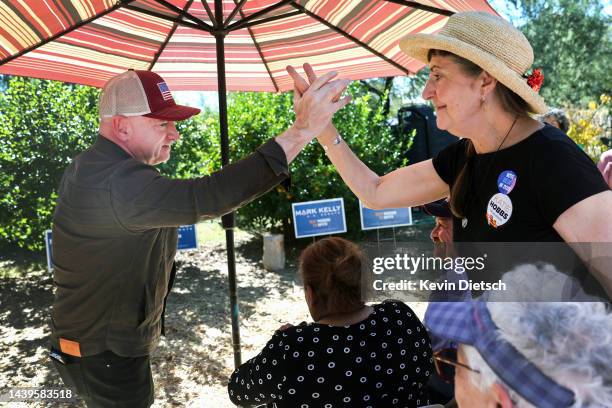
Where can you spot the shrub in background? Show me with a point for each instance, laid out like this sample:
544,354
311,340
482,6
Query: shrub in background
44,125
589,126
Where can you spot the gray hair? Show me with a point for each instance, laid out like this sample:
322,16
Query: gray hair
571,342
539,283
559,116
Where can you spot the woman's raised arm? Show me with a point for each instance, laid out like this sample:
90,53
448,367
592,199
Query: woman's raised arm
408,186
405,187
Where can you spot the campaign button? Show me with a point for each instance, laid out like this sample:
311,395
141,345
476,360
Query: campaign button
506,181
499,210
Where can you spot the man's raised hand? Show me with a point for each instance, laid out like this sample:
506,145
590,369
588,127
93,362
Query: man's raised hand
315,101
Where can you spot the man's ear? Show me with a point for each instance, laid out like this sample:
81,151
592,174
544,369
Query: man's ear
501,395
487,84
122,128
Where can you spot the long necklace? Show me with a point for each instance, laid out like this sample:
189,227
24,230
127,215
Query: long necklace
464,220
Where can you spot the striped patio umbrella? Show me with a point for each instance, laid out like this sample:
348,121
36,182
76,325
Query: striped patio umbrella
89,41
225,45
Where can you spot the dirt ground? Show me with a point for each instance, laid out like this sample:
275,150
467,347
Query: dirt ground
193,362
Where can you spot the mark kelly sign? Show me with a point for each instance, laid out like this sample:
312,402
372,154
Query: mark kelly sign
321,217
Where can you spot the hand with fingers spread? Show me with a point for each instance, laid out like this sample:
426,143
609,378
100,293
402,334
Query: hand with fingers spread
301,88
315,103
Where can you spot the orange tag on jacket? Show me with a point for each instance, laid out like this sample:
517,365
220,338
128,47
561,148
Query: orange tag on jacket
70,347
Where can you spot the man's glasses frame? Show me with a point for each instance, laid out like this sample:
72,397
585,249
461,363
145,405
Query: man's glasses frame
449,356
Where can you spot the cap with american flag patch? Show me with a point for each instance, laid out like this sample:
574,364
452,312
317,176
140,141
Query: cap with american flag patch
165,91
141,93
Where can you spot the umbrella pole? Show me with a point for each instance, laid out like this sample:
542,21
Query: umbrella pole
228,220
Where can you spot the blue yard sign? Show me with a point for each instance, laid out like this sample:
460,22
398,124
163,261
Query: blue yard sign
187,237
321,217
387,218
48,247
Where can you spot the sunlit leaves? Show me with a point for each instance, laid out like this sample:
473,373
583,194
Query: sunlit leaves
44,125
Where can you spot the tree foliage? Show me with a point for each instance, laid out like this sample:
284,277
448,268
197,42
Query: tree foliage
44,125
586,127
394,92
572,43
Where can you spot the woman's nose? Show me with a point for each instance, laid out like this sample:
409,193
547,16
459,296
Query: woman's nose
428,91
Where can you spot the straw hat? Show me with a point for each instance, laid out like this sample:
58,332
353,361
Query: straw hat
488,41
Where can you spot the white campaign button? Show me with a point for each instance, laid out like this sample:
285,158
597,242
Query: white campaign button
499,210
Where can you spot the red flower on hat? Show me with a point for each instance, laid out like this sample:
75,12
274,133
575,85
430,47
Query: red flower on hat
536,79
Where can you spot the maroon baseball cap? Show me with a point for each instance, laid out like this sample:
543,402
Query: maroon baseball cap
141,93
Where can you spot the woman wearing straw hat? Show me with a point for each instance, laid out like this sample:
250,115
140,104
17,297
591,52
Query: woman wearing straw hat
510,177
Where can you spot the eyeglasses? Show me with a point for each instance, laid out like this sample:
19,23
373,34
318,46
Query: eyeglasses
445,361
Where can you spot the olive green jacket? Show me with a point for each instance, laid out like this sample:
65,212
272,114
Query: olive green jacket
115,238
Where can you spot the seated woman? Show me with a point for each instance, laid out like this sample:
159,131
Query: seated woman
352,355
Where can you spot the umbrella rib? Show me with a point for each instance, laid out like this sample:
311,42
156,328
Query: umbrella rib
167,40
420,6
350,37
267,20
260,54
234,12
167,18
257,14
183,13
120,3
210,13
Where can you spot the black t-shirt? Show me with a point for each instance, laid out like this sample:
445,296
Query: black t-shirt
382,361
517,194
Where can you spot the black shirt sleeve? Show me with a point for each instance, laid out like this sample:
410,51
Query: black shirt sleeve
257,381
449,161
563,175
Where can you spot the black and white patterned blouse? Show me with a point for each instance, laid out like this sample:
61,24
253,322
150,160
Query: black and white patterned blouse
382,361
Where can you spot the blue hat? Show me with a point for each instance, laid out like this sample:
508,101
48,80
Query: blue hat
470,323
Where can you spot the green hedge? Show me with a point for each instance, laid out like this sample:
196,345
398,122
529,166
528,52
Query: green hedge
44,125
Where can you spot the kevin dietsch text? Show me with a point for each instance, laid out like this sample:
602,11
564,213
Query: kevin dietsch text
428,285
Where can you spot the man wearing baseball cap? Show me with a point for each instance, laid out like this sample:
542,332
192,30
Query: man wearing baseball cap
115,229
525,353
442,233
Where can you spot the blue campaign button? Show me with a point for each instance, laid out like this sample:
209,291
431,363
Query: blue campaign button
506,181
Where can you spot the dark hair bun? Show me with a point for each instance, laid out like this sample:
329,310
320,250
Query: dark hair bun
332,267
